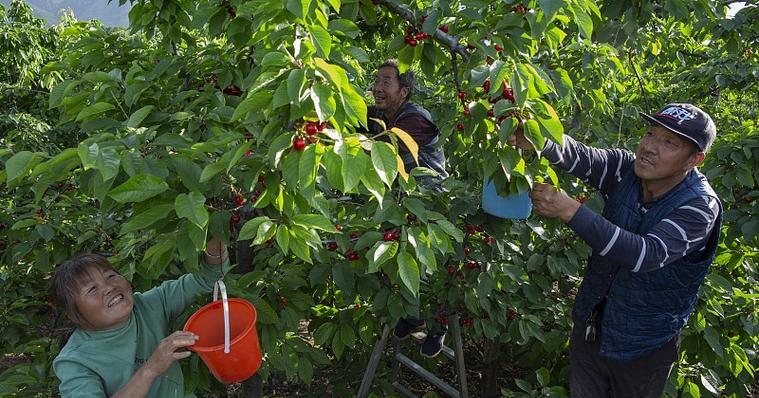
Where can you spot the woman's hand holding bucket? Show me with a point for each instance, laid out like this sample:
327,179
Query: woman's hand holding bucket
168,351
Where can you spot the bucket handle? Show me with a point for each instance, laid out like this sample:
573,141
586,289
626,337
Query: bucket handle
219,285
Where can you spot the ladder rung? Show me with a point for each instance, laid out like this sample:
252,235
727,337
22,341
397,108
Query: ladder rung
427,375
403,390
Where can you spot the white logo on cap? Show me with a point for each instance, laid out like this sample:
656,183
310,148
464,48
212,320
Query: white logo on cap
679,114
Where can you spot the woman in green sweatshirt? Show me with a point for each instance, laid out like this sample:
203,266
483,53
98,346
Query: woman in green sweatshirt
122,345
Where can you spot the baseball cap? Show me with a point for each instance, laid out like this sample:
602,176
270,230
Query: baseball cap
688,121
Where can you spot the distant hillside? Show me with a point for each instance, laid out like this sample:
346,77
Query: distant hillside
109,13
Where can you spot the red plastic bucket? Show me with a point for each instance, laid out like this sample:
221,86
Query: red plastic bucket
228,342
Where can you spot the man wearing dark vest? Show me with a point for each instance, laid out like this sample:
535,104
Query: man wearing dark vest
392,93
652,248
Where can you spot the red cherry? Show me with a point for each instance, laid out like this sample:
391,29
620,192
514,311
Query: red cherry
232,90
421,36
498,47
412,42
321,126
234,218
410,29
299,143
512,314
388,236
462,95
472,265
332,246
460,275
466,111
311,128
582,198
460,127
410,217
471,229
451,270
282,301
407,39
248,153
354,235
396,235
486,239
467,250
444,28
478,228
312,139
338,227
491,113
486,86
239,200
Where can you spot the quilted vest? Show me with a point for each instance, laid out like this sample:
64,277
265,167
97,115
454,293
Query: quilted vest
644,310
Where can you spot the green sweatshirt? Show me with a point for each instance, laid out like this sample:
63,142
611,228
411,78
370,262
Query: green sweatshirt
99,363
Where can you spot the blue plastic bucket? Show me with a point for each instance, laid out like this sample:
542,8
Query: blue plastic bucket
517,206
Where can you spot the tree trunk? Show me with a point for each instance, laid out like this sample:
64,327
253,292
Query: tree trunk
491,366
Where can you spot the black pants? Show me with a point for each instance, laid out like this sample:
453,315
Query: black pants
595,376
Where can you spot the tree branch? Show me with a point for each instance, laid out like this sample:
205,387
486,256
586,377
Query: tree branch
637,75
452,42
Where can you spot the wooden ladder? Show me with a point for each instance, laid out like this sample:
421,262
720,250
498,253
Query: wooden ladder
455,354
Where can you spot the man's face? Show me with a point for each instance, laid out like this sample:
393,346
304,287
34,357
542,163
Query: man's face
663,155
104,299
387,91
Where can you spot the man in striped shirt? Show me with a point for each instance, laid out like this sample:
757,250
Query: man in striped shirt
652,248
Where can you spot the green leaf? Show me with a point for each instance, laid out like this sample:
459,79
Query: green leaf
324,333
353,165
147,218
316,221
583,21
97,77
211,170
353,103
88,154
344,26
347,336
192,207
323,101
107,163
296,7
379,254
250,228
18,164
533,134
138,188
549,121
308,166
550,8
408,270
322,40
451,230
138,116
384,161
417,207
283,238
295,82
712,338
93,110
255,103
